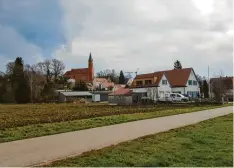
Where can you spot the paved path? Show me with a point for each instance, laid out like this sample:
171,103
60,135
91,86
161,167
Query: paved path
37,150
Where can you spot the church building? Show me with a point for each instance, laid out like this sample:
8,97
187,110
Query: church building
82,74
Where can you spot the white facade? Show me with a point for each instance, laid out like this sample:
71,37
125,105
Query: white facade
96,97
180,90
150,92
154,93
164,88
192,87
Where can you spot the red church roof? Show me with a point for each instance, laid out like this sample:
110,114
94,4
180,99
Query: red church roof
78,71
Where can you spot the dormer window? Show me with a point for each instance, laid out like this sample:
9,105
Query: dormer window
164,82
148,82
139,83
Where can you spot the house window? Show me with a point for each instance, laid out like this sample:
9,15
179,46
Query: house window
190,82
148,82
195,83
193,94
139,83
164,82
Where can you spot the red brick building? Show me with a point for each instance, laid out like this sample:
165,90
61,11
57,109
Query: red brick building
82,74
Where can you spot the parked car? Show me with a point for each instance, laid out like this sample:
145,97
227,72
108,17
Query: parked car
188,96
178,97
185,95
166,98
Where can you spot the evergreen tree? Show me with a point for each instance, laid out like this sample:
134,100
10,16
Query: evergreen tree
23,92
205,89
121,78
201,87
19,82
177,65
48,91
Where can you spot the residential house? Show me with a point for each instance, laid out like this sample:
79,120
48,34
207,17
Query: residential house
160,84
152,85
102,84
118,86
224,85
183,81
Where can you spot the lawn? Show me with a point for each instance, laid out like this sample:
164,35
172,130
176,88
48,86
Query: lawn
36,130
21,115
207,144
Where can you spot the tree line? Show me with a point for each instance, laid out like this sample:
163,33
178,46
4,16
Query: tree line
31,83
113,76
24,83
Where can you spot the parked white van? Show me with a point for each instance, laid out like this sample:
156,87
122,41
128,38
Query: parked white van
178,97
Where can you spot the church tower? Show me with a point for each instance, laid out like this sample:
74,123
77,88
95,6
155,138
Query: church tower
91,68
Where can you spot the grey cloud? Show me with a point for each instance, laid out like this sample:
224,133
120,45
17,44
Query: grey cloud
13,44
150,35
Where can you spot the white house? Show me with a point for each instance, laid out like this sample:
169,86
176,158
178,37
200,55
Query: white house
102,84
184,81
160,84
154,86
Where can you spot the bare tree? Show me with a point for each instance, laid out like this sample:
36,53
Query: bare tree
2,74
57,67
109,74
45,68
40,68
152,93
28,72
219,87
9,67
35,80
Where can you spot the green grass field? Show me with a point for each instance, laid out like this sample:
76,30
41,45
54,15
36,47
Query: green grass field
209,143
27,114
35,130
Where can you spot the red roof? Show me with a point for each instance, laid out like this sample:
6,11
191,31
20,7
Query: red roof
104,82
159,76
77,71
118,86
142,76
121,91
176,77
227,82
100,79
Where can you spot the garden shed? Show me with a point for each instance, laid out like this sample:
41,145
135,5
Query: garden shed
121,97
68,96
100,96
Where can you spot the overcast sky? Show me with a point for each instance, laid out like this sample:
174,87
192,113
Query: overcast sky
121,34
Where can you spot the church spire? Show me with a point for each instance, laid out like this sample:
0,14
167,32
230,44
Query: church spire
90,57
